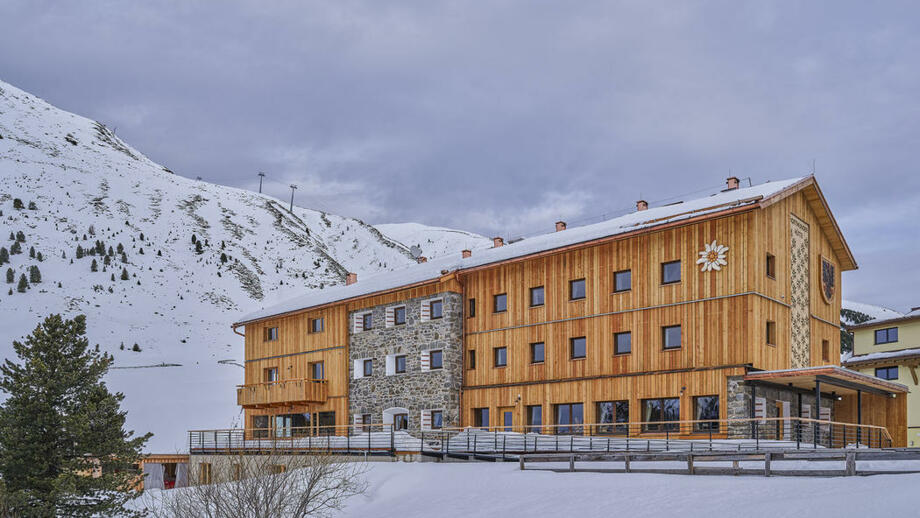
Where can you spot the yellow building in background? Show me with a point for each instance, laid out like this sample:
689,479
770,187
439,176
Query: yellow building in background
889,348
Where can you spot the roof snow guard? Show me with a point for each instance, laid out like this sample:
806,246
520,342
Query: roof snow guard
718,204
845,381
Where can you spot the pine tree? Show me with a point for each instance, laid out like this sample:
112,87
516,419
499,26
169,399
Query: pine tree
140,251
32,252
23,284
38,255
10,276
159,253
124,257
94,267
136,348
16,248
63,254
12,237
198,249
35,276
124,274
194,239
32,206
223,257
110,251
21,236
61,421
17,203
4,256
107,261
113,277
79,252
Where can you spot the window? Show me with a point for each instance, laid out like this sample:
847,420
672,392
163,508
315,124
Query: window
271,334
437,419
706,408
435,309
670,337
400,421
367,321
501,356
568,414
471,364
481,417
368,368
771,333
577,347
536,296
771,266
472,308
622,342
316,325
622,281
435,359
507,419
316,369
270,374
887,373
886,336
399,315
613,412
277,469
500,303
400,364
577,289
204,473
658,414
537,352
261,425
535,418
670,272
366,421
825,350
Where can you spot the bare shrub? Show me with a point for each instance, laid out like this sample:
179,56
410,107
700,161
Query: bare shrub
262,486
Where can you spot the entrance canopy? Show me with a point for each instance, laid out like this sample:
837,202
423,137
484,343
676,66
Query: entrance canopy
843,380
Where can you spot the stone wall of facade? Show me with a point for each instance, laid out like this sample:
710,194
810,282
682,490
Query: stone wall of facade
738,405
415,390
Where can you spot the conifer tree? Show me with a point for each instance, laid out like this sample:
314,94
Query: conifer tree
113,277
110,251
140,251
124,274
4,255
79,252
59,423
94,267
38,255
107,261
32,252
15,249
10,276
20,236
23,284
198,249
12,237
32,206
35,276
121,248
63,254
124,257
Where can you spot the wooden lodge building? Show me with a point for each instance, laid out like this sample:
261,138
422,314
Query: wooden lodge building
722,307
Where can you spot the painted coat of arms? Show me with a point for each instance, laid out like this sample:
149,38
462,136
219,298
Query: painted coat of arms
828,279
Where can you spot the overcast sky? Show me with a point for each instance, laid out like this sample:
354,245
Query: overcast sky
501,117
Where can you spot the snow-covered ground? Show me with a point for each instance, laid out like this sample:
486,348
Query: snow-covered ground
180,297
434,241
876,312
484,489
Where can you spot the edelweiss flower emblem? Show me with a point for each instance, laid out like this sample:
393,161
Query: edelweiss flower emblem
713,257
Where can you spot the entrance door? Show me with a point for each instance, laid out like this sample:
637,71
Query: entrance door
783,411
506,414
326,423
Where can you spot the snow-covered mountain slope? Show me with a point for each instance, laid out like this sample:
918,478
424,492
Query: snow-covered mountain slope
433,241
193,256
851,309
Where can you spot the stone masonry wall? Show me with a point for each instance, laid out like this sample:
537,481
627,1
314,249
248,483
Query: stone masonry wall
415,390
739,404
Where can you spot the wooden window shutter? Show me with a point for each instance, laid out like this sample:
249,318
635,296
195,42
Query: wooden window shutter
760,409
357,324
425,361
359,420
806,411
359,368
824,414
426,310
426,420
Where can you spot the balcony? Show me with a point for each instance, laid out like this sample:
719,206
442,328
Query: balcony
281,393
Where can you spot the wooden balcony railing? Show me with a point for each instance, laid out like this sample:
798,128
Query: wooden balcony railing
279,393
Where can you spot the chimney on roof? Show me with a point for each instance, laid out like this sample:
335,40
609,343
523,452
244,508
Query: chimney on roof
497,242
560,226
732,183
641,205
467,253
351,278
421,259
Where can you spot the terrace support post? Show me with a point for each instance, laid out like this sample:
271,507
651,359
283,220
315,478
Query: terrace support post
690,464
817,411
858,418
767,457
798,433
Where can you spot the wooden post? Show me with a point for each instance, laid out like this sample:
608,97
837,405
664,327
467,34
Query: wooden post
858,418
572,462
690,464
766,463
851,464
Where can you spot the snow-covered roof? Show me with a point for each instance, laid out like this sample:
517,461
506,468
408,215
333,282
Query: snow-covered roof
435,268
876,312
879,356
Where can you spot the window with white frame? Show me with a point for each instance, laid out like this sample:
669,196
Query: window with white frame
432,360
396,316
362,322
432,419
396,364
432,309
363,368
